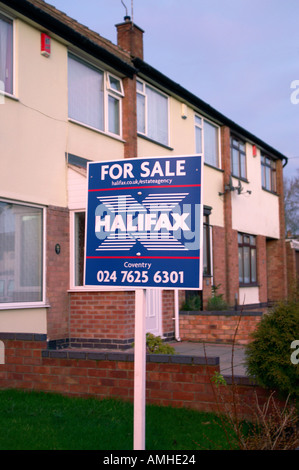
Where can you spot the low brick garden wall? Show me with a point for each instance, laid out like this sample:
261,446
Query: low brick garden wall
218,326
179,381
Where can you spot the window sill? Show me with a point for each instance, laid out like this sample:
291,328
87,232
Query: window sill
23,306
110,288
154,141
213,167
253,284
269,191
244,180
99,131
4,95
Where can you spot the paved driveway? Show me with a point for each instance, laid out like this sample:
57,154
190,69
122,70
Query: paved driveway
225,352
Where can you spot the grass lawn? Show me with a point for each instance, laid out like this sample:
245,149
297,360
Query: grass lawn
44,421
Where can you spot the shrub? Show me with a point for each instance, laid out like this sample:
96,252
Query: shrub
193,303
216,302
155,345
268,356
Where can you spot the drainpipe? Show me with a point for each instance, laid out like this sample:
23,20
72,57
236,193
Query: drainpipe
176,315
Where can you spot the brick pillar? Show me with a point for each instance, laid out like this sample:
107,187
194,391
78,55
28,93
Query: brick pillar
129,116
57,275
231,267
130,39
276,250
261,267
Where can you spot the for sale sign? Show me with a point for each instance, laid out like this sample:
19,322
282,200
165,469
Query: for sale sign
144,223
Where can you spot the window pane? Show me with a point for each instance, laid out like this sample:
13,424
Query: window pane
268,178
115,84
79,247
253,265
240,264
86,103
6,55
235,162
263,176
210,144
157,116
198,121
140,114
139,86
243,165
113,115
246,261
198,140
21,257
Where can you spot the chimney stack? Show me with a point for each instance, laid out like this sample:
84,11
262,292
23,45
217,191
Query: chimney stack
130,37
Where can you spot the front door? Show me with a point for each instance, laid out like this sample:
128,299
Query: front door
154,311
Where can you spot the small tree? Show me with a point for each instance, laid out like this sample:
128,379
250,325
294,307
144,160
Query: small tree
291,204
268,356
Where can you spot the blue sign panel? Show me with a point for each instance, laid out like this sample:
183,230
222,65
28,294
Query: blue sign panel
144,223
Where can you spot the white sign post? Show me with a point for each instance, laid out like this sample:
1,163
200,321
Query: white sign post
144,230
139,370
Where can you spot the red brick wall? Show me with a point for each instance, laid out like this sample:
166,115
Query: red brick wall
171,380
218,328
57,275
103,318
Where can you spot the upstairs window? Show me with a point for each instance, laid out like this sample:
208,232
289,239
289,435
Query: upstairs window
6,55
238,158
94,97
268,167
207,141
152,113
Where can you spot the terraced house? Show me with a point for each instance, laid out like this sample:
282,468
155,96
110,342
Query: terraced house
69,96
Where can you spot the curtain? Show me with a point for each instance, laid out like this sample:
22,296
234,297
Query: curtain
211,144
157,116
86,94
21,258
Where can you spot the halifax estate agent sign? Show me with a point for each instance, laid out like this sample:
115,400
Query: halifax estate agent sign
144,223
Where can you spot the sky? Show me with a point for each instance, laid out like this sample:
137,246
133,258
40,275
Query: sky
239,56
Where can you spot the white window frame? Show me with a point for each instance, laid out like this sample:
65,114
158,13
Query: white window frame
144,94
42,303
108,91
201,126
